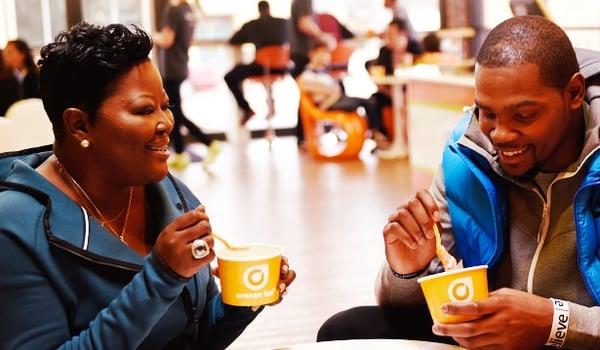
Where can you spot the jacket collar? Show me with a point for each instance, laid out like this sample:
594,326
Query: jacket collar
69,227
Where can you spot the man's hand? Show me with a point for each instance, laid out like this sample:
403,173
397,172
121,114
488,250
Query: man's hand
510,319
408,235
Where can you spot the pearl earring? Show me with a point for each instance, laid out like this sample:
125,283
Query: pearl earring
85,143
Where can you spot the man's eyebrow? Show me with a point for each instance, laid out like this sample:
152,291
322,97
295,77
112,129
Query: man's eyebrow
512,106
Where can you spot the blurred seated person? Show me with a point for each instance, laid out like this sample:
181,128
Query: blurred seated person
266,30
327,92
115,252
432,53
10,91
17,55
398,50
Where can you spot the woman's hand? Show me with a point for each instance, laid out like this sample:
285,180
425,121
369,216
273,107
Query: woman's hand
174,243
286,277
509,319
408,235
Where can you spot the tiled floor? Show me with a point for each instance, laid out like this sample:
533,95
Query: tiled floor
327,215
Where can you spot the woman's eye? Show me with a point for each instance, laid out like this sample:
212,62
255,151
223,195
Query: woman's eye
146,110
167,106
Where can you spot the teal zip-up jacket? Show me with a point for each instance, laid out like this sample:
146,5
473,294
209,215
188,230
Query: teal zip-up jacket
67,283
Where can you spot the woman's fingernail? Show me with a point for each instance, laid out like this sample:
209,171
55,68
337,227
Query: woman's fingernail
281,287
285,269
284,293
435,329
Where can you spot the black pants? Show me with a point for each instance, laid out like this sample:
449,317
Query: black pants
234,80
241,72
172,87
346,103
372,322
381,100
300,62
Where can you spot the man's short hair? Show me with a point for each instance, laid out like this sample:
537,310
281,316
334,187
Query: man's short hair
531,39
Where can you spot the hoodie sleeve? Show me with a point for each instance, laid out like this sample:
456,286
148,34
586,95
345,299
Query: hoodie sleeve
221,324
584,327
393,291
34,316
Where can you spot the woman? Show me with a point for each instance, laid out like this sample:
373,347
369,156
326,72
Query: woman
17,56
10,91
97,238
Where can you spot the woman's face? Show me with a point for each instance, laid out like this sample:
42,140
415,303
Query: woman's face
13,58
130,138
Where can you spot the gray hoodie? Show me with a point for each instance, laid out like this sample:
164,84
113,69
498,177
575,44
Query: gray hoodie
541,256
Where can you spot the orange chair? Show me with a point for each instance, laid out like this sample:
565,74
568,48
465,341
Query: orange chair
340,56
275,60
351,129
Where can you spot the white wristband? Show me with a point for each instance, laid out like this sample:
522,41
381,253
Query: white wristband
560,323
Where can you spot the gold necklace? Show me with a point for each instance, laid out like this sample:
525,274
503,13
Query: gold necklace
84,197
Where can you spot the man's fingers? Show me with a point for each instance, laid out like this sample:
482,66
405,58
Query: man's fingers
394,232
429,204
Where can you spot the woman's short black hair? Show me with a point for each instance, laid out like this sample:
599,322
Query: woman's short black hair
79,69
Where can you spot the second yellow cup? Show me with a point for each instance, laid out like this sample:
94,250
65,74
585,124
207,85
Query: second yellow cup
460,285
250,277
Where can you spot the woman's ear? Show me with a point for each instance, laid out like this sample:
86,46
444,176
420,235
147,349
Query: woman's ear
77,124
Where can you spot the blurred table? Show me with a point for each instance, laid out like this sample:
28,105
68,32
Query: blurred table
399,147
372,344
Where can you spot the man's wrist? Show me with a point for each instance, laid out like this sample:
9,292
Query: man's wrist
560,323
407,276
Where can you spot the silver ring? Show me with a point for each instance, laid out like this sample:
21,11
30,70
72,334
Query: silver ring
200,248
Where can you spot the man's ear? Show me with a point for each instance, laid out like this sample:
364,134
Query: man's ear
77,124
576,91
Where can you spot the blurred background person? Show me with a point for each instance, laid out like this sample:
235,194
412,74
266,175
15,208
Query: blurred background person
17,55
174,40
264,31
304,30
396,51
10,91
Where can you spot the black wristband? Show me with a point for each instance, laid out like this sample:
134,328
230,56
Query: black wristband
408,276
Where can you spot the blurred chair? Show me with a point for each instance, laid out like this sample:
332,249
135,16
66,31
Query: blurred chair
275,60
334,135
340,56
31,124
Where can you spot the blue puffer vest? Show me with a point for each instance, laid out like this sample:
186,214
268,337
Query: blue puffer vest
477,205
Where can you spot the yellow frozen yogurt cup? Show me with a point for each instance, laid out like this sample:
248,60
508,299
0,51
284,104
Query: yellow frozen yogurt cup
459,285
250,277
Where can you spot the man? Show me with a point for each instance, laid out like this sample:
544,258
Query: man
518,191
264,31
304,31
174,39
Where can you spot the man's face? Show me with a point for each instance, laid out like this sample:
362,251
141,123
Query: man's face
526,120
